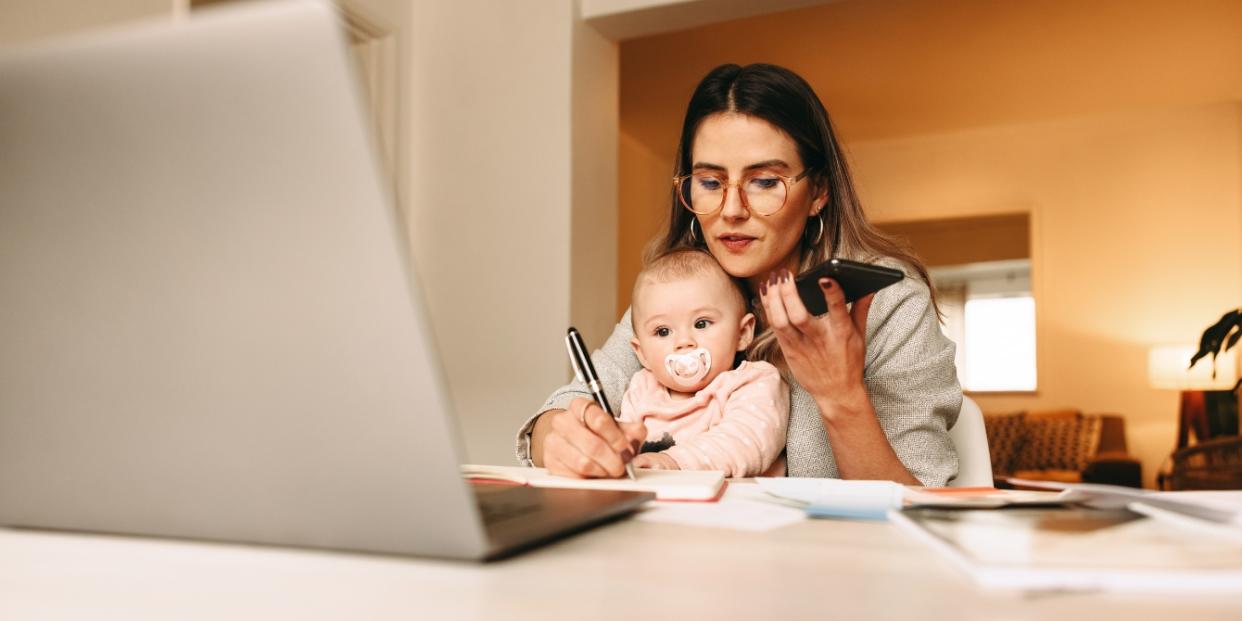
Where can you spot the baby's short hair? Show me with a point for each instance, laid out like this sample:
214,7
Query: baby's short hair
681,263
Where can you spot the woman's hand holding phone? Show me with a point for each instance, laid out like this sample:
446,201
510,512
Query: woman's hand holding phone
825,353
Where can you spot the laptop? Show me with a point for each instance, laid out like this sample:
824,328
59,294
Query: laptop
209,326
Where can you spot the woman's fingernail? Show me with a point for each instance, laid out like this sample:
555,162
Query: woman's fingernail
771,279
763,288
626,456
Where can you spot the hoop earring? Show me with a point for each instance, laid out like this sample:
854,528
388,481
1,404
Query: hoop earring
820,234
694,239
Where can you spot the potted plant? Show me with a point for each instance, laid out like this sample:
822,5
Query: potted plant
1220,337
1221,405
1216,461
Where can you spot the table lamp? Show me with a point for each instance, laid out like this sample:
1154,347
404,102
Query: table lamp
1208,404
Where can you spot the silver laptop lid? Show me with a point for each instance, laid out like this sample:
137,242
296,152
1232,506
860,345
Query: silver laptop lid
207,330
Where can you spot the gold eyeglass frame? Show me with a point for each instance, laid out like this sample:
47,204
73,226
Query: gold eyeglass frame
787,180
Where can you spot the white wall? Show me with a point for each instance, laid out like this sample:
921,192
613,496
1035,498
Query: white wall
625,19
489,203
507,149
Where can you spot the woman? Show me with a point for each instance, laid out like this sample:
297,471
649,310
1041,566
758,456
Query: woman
762,184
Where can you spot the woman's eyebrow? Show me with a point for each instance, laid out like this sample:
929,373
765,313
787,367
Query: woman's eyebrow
768,164
764,164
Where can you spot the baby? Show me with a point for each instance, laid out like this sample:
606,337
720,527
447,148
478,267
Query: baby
690,321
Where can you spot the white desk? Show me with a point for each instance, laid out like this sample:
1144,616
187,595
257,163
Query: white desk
627,570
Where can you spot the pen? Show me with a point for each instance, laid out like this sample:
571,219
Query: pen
585,372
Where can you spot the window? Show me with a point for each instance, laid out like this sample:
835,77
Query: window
981,268
990,315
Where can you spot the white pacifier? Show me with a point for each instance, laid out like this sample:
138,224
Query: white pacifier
689,368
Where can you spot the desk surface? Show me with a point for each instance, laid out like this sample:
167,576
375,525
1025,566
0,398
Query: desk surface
625,570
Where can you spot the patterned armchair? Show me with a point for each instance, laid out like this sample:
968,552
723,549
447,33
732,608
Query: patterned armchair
1062,445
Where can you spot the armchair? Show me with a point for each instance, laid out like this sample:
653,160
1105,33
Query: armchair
1062,445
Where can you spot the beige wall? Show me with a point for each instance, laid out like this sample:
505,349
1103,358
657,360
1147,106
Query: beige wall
909,67
508,129
28,20
1104,120
1135,241
1136,227
593,154
491,239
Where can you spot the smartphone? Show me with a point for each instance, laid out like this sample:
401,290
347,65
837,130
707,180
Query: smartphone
856,280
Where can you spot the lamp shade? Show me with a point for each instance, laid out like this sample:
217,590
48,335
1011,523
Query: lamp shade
1167,369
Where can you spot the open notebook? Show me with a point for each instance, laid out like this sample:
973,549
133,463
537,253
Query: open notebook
666,484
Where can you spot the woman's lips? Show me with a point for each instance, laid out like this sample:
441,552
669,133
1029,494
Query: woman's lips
736,243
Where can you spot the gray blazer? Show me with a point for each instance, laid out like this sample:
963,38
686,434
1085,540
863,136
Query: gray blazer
909,373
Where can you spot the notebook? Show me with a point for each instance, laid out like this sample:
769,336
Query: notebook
702,485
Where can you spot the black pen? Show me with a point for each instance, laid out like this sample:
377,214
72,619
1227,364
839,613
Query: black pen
585,371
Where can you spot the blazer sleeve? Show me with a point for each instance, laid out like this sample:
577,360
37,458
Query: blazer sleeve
615,363
912,380
751,431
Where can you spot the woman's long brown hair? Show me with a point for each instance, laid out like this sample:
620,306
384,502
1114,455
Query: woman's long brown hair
782,98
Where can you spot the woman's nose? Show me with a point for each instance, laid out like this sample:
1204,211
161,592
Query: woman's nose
734,207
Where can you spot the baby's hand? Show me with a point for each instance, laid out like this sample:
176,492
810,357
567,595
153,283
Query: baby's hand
655,461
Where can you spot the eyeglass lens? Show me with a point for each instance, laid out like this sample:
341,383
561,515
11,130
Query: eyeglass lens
705,193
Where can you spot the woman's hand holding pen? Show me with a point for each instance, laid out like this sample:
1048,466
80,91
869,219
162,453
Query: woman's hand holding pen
585,441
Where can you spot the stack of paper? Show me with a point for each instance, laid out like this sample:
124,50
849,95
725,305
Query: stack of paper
872,500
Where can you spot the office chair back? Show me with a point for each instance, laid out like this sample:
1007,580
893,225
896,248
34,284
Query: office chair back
970,439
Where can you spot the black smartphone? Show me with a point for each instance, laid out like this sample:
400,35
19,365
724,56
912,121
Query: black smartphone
856,280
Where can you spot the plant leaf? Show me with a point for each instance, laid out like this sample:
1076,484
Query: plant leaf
1214,336
1233,340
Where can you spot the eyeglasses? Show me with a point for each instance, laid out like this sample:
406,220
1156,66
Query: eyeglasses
762,191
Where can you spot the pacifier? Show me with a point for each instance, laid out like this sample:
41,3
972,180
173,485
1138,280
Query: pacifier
689,368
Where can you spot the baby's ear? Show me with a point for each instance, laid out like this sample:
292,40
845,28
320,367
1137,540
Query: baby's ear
638,351
746,331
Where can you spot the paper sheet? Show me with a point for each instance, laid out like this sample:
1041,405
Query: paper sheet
865,500
743,507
